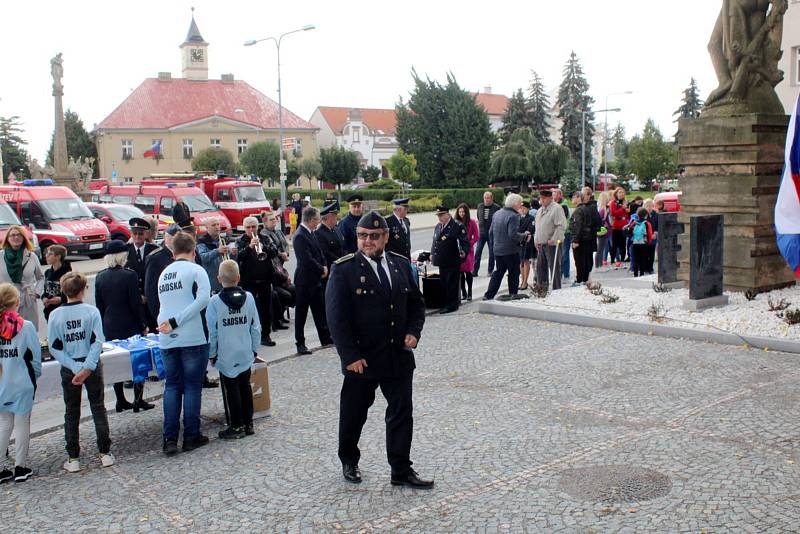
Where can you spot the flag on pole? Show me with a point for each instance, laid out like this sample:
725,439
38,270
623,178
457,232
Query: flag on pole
787,208
154,150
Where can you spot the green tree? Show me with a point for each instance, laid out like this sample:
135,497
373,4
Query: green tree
539,105
517,115
15,156
215,159
79,143
339,165
448,133
310,167
261,159
403,167
650,155
692,103
370,173
573,98
554,161
516,160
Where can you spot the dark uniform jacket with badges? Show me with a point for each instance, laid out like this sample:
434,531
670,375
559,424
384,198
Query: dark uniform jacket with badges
399,235
310,260
137,266
347,229
117,297
154,265
331,243
449,241
370,321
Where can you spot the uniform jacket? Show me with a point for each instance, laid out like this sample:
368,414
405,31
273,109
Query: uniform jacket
234,330
371,322
154,265
137,266
21,363
184,292
252,269
331,243
347,229
399,235
310,260
75,333
116,295
448,243
31,287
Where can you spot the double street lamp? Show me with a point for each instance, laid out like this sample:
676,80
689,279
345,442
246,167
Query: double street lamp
282,161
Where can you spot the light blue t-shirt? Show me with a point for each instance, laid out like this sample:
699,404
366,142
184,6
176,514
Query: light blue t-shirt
235,334
183,292
75,334
21,365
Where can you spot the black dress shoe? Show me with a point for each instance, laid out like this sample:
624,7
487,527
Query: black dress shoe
143,406
123,405
194,443
450,309
351,473
170,447
302,349
267,341
412,480
208,384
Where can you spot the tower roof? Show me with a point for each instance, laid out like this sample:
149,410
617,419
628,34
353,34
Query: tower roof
194,34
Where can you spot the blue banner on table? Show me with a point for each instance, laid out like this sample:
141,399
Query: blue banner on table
145,356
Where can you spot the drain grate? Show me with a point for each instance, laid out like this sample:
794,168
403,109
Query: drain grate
614,484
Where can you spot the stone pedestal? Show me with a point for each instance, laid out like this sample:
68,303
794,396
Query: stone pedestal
733,167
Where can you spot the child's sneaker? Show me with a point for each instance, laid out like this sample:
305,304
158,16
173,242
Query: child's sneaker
72,465
5,475
21,474
231,433
249,430
107,459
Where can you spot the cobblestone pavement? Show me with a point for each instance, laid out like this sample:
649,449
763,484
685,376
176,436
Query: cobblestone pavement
572,438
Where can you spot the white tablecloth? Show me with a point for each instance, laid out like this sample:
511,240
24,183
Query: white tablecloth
116,368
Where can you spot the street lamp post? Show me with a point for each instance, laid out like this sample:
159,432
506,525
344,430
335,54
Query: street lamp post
605,131
282,161
583,140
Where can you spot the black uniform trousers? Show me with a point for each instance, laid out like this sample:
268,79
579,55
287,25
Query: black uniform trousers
314,298
357,396
262,293
450,277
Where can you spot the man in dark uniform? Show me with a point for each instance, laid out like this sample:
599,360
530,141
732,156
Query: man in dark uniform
376,315
308,279
138,250
449,248
399,229
328,237
257,271
347,226
154,265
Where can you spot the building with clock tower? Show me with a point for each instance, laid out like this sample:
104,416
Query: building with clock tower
182,116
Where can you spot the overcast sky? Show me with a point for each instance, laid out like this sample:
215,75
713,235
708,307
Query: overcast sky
360,54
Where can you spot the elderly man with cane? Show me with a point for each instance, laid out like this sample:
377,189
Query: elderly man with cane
548,237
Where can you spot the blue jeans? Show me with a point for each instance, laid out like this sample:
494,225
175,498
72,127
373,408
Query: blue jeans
566,249
482,241
185,367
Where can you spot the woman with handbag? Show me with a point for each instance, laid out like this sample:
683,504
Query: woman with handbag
21,267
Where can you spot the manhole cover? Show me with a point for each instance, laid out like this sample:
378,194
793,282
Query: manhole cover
614,484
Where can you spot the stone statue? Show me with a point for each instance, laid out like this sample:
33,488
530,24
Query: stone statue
49,172
87,170
57,71
745,48
34,168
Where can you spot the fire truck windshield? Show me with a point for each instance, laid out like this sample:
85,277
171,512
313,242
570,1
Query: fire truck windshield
7,216
250,194
198,203
65,209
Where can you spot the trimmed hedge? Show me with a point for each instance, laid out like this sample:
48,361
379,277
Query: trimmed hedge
450,197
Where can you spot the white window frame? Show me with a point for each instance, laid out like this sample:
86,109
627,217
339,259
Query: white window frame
127,148
241,145
797,65
188,149
216,142
356,134
160,142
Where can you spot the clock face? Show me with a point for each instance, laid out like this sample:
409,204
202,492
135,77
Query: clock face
196,55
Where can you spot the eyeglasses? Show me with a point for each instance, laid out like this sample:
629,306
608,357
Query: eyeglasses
371,236
254,226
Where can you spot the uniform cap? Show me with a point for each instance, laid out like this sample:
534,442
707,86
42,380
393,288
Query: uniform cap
400,201
137,223
115,246
355,199
546,193
442,209
373,221
332,207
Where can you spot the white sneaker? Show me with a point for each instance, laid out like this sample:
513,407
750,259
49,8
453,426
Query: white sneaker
107,459
72,465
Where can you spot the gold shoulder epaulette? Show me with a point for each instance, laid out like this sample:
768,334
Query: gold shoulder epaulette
156,250
345,258
398,255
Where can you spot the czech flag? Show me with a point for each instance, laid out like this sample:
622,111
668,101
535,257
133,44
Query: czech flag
154,150
787,209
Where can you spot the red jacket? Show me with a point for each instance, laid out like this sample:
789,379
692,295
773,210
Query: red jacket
619,215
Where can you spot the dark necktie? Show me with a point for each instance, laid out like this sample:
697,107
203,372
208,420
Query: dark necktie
382,273
139,254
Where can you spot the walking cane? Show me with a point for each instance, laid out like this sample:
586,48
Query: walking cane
556,268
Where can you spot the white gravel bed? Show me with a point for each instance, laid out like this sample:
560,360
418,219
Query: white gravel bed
740,316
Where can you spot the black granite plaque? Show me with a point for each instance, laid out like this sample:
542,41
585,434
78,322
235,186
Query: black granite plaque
705,253
668,231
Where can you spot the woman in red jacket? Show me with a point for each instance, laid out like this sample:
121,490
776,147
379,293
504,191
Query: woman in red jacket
619,219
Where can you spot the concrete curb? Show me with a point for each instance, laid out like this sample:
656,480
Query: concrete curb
632,327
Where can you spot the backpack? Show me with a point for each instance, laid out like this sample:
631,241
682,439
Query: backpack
640,233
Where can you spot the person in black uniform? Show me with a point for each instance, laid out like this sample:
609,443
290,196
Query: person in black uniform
328,237
377,314
449,248
138,250
255,254
308,278
154,265
117,297
347,226
399,229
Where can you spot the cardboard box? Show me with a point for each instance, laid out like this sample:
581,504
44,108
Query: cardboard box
259,381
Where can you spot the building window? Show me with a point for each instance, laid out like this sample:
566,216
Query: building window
241,146
298,148
188,151
356,134
160,148
797,65
127,149
215,143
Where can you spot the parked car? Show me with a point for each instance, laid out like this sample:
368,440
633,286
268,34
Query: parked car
116,217
672,200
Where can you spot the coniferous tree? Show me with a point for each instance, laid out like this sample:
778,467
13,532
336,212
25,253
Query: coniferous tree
573,98
539,104
447,132
79,143
692,103
15,156
650,155
517,115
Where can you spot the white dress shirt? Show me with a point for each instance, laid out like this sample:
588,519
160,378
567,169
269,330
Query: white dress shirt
384,264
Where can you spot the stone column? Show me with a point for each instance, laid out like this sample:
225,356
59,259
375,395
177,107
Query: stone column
733,167
60,161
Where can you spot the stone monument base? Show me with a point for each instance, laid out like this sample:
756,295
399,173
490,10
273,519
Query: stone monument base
704,304
733,167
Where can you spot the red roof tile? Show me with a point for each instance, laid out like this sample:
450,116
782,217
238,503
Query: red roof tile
159,104
375,119
493,104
